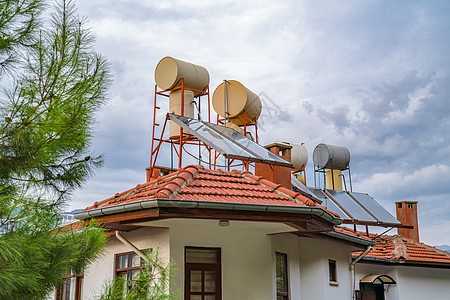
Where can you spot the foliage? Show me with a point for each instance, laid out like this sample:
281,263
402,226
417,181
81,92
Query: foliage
18,23
152,283
32,264
54,86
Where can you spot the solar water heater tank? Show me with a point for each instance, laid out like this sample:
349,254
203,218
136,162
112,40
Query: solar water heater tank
169,72
331,157
175,108
232,99
239,129
299,156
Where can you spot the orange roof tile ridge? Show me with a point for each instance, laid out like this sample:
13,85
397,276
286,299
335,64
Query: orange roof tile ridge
400,251
184,176
431,248
153,182
277,188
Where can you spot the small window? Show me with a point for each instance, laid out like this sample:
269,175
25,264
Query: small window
128,265
332,270
410,205
71,289
282,276
399,205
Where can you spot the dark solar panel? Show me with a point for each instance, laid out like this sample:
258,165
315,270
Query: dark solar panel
227,141
350,205
329,204
300,186
376,209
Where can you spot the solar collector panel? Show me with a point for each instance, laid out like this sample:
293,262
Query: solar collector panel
350,205
374,207
227,141
329,204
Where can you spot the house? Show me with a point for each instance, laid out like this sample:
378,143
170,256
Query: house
231,227
418,271
234,235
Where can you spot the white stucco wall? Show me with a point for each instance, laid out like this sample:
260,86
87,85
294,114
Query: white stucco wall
413,283
102,270
314,275
288,244
248,258
246,255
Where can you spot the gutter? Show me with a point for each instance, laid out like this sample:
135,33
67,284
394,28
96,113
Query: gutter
156,203
352,269
129,244
353,263
406,262
135,249
349,238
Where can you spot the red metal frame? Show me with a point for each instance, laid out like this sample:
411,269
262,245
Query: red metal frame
185,138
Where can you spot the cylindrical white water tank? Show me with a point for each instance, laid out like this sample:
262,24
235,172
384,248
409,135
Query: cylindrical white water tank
299,156
169,71
237,100
331,157
175,108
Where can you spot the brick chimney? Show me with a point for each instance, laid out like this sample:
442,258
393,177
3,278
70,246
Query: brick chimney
407,215
275,173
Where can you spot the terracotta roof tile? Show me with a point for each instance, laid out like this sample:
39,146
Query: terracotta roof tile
398,248
198,183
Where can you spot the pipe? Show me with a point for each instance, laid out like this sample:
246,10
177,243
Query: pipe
136,249
352,268
352,264
129,244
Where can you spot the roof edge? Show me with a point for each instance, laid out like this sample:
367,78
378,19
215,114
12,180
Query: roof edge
412,263
161,202
350,238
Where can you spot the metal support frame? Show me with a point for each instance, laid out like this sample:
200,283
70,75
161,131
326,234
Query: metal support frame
177,143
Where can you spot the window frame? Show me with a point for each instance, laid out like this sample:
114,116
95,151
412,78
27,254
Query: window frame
332,272
217,268
284,295
128,269
63,288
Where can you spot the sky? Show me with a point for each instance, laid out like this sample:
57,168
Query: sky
372,76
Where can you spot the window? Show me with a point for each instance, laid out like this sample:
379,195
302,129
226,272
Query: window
202,273
332,272
282,276
399,205
71,289
128,265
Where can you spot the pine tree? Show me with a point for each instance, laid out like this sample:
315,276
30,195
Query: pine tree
53,84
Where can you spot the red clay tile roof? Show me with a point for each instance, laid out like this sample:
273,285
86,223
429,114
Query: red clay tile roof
198,183
348,231
396,249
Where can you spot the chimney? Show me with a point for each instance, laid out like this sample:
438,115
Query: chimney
278,174
158,171
407,215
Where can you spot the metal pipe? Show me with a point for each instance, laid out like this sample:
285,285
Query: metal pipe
352,264
352,268
129,244
135,249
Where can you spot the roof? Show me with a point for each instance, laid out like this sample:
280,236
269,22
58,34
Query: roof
198,183
400,250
